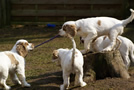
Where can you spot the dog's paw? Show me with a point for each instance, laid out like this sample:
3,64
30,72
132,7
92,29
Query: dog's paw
107,49
83,51
17,82
62,87
83,84
7,88
26,85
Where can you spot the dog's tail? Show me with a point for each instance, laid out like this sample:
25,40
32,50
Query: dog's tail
129,19
74,49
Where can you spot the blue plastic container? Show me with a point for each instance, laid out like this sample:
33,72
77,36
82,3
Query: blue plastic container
51,25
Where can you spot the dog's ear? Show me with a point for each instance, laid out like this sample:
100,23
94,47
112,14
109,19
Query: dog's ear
21,49
55,54
70,29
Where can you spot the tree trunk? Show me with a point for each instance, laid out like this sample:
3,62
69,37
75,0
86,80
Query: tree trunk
102,65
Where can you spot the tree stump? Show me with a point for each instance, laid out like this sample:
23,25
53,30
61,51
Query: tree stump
102,65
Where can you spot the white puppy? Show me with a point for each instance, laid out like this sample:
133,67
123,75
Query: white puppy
71,62
92,28
13,61
126,48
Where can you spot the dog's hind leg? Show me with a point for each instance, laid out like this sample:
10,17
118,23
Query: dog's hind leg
14,78
118,42
79,78
112,36
3,83
66,81
3,79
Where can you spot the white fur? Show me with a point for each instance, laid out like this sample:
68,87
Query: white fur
6,67
126,48
91,28
71,62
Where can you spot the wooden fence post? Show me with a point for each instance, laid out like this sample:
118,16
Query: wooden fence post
4,13
8,12
0,13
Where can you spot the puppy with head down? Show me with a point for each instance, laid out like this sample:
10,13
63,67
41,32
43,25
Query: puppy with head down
71,62
91,28
126,48
12,62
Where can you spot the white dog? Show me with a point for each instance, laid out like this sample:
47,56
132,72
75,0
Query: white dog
13,61
91,28
126,48
71,62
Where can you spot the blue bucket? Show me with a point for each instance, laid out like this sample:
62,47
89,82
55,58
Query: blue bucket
51,25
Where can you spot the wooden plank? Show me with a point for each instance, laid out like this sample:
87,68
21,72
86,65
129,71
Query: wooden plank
66,1
37,1
22,6
36,23
64,12
93,1
23,19
79,6
80,17
65,7
39,19
51,19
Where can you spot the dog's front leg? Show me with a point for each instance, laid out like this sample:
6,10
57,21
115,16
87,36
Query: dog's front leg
88,41
21,73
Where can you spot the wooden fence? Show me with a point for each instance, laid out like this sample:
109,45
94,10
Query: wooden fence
59,11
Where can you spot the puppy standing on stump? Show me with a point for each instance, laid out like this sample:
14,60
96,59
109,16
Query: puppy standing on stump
91,28
71,62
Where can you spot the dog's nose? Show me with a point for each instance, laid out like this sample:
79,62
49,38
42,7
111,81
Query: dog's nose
32,45
59,32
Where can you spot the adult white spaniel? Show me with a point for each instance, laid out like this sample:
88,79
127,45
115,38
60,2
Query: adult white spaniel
12,62
91,28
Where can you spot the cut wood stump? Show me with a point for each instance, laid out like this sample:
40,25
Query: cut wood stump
102,65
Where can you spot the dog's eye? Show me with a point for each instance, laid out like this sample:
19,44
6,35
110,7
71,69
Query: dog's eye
26,43
64,28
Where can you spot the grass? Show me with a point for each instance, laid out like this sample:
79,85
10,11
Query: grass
41,72
38,62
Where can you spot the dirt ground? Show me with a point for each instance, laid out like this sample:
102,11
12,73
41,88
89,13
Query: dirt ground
51,81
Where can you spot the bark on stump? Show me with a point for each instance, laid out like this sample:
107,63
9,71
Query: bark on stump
102,65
